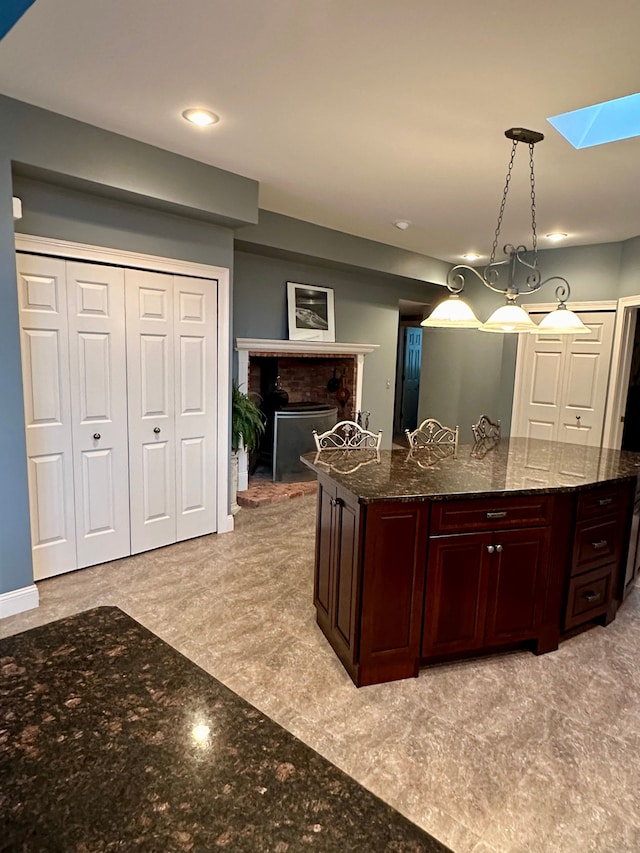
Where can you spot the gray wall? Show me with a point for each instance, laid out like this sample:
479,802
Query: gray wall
66,214
281,236
366,307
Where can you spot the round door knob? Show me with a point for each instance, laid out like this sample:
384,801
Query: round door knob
490,549
96,435
499,549
156,430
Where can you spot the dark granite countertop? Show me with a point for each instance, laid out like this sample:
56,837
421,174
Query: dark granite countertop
521,465
112,740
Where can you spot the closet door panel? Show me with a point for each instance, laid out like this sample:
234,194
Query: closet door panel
45,379
195,307
95,295
150,371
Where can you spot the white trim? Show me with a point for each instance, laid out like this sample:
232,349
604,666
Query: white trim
303,347
174,266
620,367
19,600
545,307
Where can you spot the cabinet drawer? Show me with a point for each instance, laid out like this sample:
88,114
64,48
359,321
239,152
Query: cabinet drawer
589,596
597,543
595,503
490,514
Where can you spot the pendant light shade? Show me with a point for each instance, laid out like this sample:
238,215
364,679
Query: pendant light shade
562,321
452,313
510,318
517,275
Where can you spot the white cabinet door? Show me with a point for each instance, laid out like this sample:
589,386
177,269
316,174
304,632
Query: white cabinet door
150,373
561,383
195,325
97,369
45,378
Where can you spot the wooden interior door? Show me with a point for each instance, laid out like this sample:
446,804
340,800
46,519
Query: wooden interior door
44,342
98,375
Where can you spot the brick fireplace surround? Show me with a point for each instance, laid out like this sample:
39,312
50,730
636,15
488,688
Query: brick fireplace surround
305,368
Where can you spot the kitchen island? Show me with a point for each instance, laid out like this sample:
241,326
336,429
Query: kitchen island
442,553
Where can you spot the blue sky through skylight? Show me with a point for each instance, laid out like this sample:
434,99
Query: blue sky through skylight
600,123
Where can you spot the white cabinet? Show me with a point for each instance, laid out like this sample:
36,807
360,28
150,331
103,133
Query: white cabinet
119,371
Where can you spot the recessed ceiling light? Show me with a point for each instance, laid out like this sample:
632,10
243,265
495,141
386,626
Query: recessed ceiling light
203,118
402,224
471,256
556,236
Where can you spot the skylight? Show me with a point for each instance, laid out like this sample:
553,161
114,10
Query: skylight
600,123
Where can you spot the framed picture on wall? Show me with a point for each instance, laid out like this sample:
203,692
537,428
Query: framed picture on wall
311,312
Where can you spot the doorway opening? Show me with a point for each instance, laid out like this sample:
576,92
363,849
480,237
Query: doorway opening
631,417
408,367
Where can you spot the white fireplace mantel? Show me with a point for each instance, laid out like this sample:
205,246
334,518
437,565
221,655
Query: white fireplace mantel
308,347
246,346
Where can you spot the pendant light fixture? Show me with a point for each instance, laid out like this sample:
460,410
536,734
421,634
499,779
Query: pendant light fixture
511,277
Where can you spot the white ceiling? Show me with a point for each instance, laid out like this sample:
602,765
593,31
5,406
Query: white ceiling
355,113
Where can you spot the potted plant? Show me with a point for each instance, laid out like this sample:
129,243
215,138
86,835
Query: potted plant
247,421
247,426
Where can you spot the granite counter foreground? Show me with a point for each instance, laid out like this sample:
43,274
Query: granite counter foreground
112,740
437,553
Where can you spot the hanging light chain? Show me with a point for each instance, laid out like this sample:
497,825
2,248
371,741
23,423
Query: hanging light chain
504,200
534,235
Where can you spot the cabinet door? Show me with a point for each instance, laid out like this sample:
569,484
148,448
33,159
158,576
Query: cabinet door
44,341
97,368
324,552
518,570
456,594
395,550
343,616
150,369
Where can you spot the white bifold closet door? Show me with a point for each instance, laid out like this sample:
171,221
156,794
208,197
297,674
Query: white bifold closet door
74,380
171,348
119,374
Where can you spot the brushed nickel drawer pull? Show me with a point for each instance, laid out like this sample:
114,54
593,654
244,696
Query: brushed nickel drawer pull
590,595
601,543
499,549
496,514
605,501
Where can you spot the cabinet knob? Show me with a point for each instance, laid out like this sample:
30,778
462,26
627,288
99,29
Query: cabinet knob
156,430
499,549
96,435
490,549
601,543
590,595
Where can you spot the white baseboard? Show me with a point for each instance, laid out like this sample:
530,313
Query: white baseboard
18,600
227,524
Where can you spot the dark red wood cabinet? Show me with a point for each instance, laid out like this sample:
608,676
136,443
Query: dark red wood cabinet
400,583
484,589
